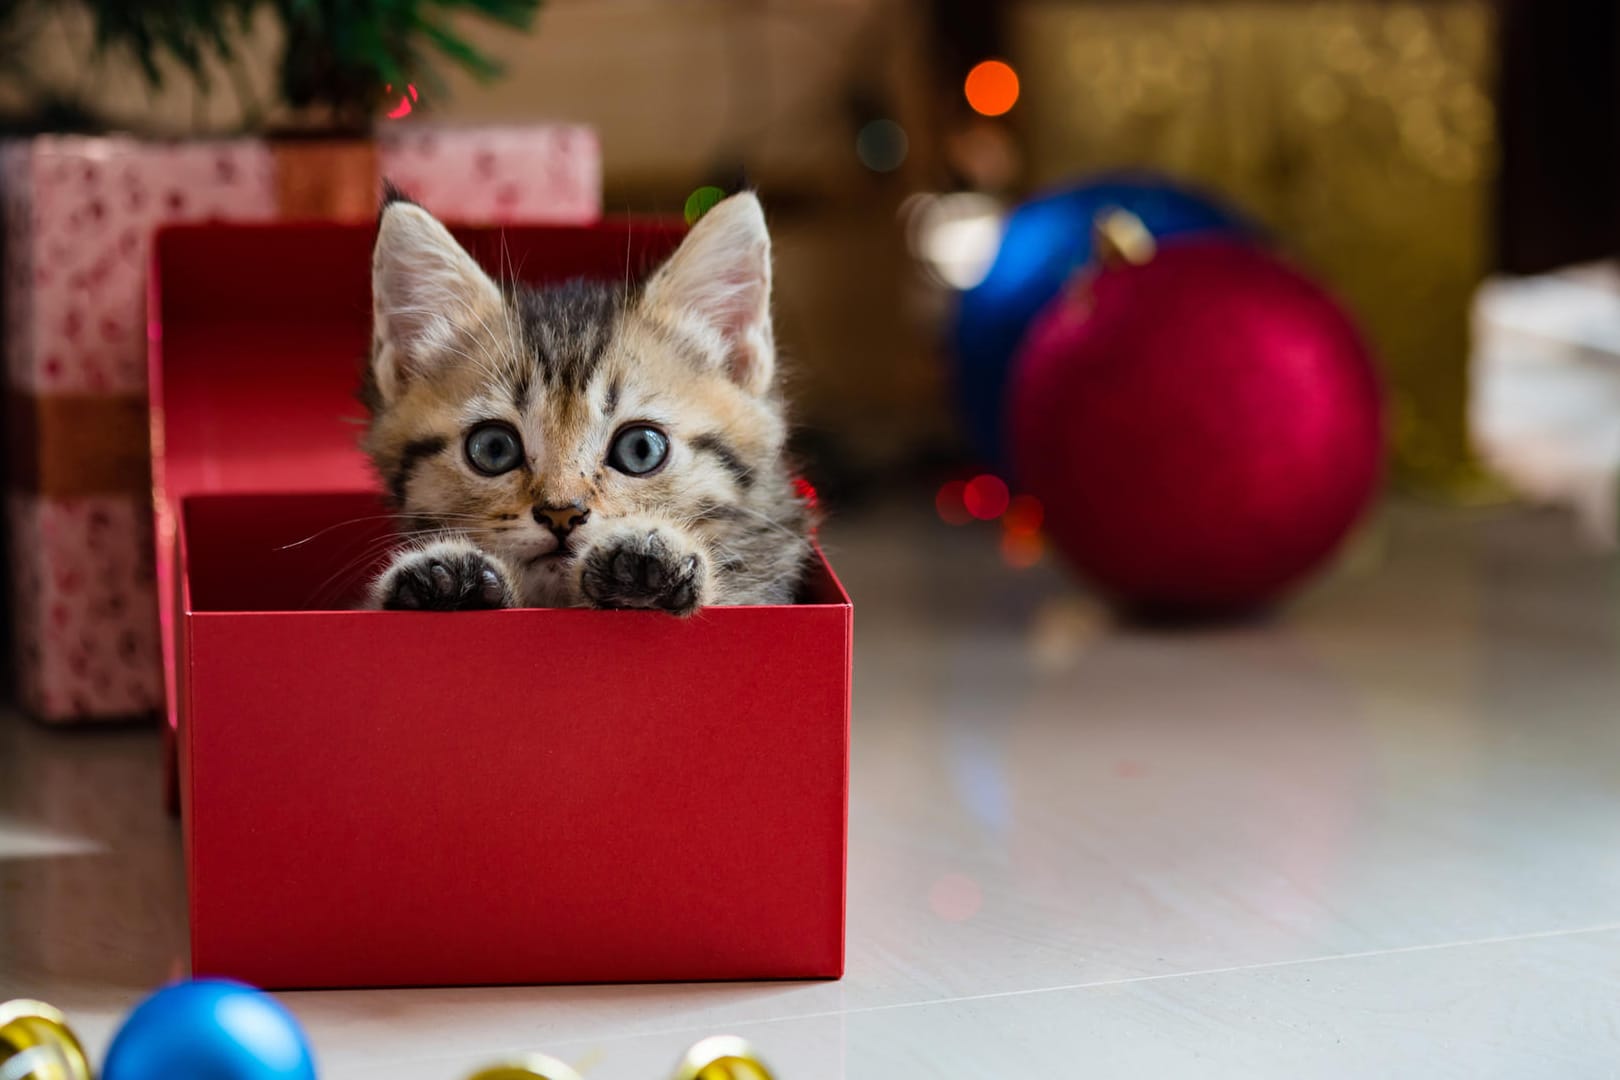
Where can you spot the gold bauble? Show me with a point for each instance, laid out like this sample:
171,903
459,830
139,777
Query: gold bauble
722,1057
41,1031
528,1067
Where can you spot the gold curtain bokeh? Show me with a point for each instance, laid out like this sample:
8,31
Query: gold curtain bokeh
1362,132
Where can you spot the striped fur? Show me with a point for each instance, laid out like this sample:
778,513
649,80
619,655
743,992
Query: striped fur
566,368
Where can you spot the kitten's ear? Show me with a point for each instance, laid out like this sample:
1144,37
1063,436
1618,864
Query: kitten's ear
717,289
426,292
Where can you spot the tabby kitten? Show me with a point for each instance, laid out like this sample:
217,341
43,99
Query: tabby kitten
583,445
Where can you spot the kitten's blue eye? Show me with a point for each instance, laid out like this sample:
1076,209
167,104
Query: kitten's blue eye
494,448
639,450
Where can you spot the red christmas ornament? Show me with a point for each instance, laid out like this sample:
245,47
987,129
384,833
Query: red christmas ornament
1203,425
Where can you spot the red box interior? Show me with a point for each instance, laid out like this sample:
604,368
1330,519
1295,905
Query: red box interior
391,798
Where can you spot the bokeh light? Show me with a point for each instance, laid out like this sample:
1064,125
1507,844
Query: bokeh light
1021,550
991,87
955,235
407,101
949,505
1024,515
1064,629
882,145
985,497
701,201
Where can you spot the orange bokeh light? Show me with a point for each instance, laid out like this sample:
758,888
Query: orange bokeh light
1021,550
985,497
991,87
1024,515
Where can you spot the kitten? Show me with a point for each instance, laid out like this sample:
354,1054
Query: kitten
583,445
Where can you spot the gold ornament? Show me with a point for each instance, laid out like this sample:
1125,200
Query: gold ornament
722,1057
37,1044
529,1067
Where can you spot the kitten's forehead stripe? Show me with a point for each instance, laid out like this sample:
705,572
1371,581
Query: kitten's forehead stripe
520,389
570,326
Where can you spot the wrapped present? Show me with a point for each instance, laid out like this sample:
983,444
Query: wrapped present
78,215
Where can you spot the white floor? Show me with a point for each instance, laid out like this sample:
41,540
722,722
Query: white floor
1379,836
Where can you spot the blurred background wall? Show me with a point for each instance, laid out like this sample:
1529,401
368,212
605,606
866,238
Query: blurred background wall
1366,134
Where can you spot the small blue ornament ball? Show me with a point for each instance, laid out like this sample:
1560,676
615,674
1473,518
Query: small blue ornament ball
1047,240
209,1029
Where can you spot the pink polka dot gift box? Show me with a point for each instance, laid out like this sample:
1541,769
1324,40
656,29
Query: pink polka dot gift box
78,214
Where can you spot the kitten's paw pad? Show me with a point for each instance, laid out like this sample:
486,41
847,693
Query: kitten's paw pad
643,570
445,578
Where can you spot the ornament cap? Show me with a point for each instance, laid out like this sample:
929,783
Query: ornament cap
41,1032
722,1057
1120,238
528,1067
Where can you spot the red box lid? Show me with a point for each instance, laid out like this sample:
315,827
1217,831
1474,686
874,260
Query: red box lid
258,334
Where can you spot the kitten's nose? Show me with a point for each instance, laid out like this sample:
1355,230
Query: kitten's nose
562,519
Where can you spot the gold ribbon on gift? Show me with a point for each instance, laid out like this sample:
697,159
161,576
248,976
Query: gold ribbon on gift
37,1044
320,179
77,444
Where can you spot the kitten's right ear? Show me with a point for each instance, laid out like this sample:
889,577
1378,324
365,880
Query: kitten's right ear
426,293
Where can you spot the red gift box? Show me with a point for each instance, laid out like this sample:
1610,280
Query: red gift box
399,798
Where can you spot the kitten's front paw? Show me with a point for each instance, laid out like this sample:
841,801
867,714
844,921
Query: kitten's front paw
446,576
640,568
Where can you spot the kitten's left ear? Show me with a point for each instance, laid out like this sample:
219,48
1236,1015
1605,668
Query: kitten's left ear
427,292
717,289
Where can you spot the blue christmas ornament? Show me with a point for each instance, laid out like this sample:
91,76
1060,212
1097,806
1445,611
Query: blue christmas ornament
209,1029
1046,240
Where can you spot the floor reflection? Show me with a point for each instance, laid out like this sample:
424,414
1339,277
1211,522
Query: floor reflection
90,862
